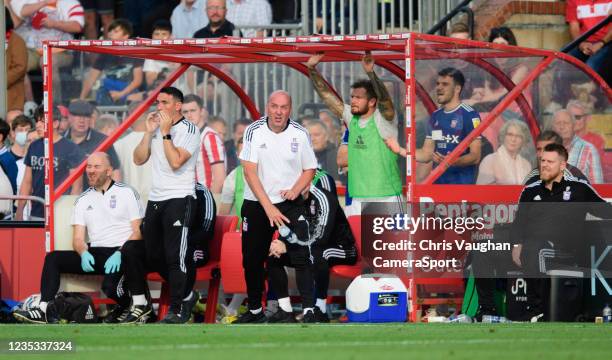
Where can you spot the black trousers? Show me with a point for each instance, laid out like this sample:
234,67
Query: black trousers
256,238
169,248
69,262
321,273
488,268
135,268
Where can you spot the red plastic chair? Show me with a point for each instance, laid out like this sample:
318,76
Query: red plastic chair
231,263
210,271
233,272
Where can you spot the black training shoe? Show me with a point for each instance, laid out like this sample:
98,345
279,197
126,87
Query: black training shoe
282,316
34,316
118,314
250,318
173,318
309,317
138,314
188,305
320,316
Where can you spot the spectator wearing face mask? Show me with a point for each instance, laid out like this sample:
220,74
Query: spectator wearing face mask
20,128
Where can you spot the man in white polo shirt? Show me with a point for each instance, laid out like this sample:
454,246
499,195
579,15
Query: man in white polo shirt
171,143
111,214
279,163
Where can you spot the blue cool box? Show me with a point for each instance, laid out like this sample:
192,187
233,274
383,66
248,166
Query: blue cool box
377,298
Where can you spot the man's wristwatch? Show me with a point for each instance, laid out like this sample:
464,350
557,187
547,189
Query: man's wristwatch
167,137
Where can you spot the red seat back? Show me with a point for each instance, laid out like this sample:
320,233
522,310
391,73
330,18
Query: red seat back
223,224
232,273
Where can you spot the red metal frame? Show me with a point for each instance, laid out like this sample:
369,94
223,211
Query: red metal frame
236,88
294,51
50,195
497,110
121,129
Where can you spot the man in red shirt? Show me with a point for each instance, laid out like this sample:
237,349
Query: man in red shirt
596,51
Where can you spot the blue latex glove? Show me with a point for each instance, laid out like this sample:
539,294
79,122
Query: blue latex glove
87,261
113,263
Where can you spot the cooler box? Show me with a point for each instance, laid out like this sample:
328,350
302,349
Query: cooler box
377,298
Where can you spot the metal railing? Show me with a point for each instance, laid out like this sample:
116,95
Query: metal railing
119,111
334,17
372,16
569,47
442,25
14,198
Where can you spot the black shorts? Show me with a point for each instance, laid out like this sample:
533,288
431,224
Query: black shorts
102,7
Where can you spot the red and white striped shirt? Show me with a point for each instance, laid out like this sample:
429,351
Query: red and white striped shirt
588,13
62,10
212,152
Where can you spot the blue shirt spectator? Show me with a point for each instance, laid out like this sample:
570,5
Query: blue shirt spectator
66,156
447,130
188,17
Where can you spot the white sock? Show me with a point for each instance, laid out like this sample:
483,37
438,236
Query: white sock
256,311
188,296
322,305
43,306
307,310
139,300
235,303
285,304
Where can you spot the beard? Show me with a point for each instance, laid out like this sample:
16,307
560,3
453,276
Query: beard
217,24
548,176
96,181
360,111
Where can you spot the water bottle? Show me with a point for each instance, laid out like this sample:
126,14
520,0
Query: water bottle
461,318
284,231
492,319
607,314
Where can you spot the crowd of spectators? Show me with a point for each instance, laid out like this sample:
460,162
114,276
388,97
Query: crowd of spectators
125,81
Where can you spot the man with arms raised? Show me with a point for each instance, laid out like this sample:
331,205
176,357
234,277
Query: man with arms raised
370,118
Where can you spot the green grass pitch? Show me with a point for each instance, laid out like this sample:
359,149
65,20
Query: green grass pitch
336,341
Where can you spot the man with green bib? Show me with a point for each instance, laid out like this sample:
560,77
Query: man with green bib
373,169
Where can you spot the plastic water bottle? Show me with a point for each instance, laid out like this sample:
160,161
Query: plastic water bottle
492,319
284,231
607,314
461,318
